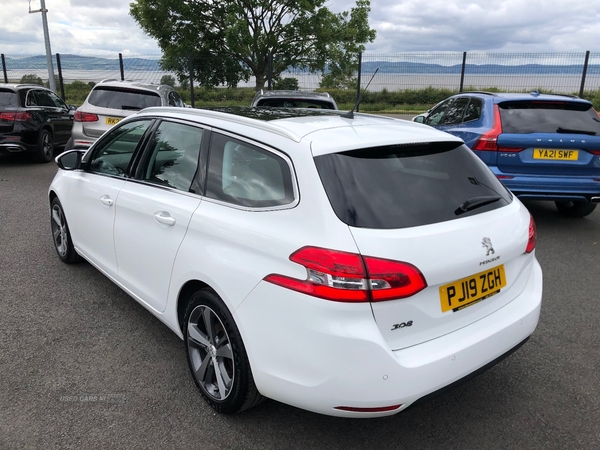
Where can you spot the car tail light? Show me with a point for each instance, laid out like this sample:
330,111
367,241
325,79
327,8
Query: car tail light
15,116
350,277
532,236
85,117
489,141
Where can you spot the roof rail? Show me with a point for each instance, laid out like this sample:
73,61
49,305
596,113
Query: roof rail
108,79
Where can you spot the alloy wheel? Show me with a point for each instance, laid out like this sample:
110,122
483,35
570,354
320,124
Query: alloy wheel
59,231
210,352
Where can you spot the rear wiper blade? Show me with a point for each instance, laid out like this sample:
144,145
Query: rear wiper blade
476,202
129,107
569,130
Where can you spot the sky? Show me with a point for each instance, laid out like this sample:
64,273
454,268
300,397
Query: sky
104,27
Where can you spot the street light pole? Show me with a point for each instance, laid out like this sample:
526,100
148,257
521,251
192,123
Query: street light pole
43,10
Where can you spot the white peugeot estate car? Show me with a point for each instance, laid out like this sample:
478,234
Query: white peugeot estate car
347,264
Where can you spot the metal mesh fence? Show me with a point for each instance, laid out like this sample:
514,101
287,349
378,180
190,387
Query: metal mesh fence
549,72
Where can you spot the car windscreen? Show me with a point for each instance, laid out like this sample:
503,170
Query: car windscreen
8,99
548,117
116,98
404,186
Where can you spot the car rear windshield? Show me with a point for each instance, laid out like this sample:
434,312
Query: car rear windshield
409,185
117,98
295,103
549,117
8,99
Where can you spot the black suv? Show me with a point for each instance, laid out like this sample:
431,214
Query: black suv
34,120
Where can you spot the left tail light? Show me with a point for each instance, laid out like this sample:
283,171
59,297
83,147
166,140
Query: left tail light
15,116
350,277
532,236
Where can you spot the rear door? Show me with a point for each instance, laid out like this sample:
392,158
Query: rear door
549,138
464,119
438,208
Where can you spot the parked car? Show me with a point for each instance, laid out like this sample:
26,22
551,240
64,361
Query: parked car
350,265
545,147
294,99
33,120
110,101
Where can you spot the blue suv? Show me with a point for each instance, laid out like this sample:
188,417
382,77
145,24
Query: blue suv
544,147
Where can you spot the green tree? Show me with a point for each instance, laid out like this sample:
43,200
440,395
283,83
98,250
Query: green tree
230,41
31,78
288,83
169,80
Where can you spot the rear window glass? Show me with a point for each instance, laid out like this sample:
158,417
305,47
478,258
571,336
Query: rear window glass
294,103
548,117
408,186
130,99
8,99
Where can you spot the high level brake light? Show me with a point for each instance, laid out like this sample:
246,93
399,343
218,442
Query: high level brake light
85,117
350,277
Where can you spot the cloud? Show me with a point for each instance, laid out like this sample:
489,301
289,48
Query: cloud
103,27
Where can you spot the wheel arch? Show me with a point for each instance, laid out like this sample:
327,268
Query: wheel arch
185,293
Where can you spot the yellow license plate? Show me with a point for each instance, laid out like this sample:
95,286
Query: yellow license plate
112,120
555,154
462,293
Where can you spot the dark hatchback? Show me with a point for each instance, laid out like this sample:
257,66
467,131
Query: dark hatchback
544,147
33,120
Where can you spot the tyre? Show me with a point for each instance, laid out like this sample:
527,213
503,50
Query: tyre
575,209
216,355
61,236
68,145
45,146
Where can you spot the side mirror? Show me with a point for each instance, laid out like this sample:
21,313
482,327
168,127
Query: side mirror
419,119
70,160
72,107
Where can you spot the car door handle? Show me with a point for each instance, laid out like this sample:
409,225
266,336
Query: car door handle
164,218
106,200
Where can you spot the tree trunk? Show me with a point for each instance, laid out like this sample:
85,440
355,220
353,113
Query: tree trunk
261,79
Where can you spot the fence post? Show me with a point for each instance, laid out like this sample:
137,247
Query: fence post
121,67
191,69
270,72
462,72
583,75
358,81
4,69
60,77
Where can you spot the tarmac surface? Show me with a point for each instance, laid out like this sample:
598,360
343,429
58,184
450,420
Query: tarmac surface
83,366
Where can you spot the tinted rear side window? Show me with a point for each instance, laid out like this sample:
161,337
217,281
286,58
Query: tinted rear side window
407,186
107,97
548,117
8,99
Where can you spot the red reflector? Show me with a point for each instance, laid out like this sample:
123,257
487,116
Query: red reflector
15,116
594,152
488,141
377,409
532,236
85,117
504,177
350,277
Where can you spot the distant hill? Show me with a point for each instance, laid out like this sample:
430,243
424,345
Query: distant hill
151,63
76,62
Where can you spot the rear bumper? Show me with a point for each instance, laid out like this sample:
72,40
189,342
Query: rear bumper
551,187
330,354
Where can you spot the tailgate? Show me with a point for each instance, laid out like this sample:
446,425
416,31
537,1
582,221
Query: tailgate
480,259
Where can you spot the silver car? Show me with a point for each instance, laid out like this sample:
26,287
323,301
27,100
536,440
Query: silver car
294,99
110,101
